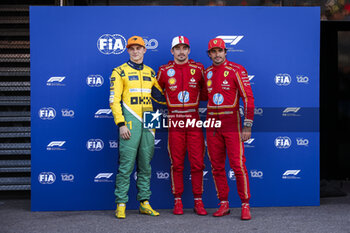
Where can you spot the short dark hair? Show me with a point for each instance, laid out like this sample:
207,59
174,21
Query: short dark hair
208,51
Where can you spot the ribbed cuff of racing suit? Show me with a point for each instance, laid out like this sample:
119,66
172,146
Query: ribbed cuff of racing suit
120,124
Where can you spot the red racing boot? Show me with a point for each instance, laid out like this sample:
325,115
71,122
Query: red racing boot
245,215
223,210
199,207
178,207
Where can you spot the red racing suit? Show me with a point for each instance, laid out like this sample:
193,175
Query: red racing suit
226,84
182,86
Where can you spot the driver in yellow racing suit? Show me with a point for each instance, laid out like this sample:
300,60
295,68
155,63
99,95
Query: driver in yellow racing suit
133,84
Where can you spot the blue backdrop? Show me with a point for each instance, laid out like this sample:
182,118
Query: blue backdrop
75,140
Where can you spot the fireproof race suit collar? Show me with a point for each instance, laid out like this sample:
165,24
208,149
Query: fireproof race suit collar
135,65
181,65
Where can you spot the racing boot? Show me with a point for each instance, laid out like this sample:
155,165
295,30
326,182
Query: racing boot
120,211
178,207
145,208
245,215
199,207
223,210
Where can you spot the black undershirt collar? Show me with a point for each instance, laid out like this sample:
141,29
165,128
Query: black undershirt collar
135,65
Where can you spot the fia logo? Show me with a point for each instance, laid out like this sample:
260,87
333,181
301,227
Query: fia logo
151,120
94,80
94,145
47,178
283,79
47,113
283,142
111,44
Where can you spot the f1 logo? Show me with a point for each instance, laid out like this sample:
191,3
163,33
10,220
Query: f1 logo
232,40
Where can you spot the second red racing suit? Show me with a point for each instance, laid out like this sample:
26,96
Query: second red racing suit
182,85
226,84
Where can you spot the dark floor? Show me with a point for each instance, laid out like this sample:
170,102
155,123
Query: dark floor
332,216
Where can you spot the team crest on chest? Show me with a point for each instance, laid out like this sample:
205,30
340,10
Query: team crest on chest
193,71
193,83
225,85
226,73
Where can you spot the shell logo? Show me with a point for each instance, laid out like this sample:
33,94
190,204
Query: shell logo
209,83
172,81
